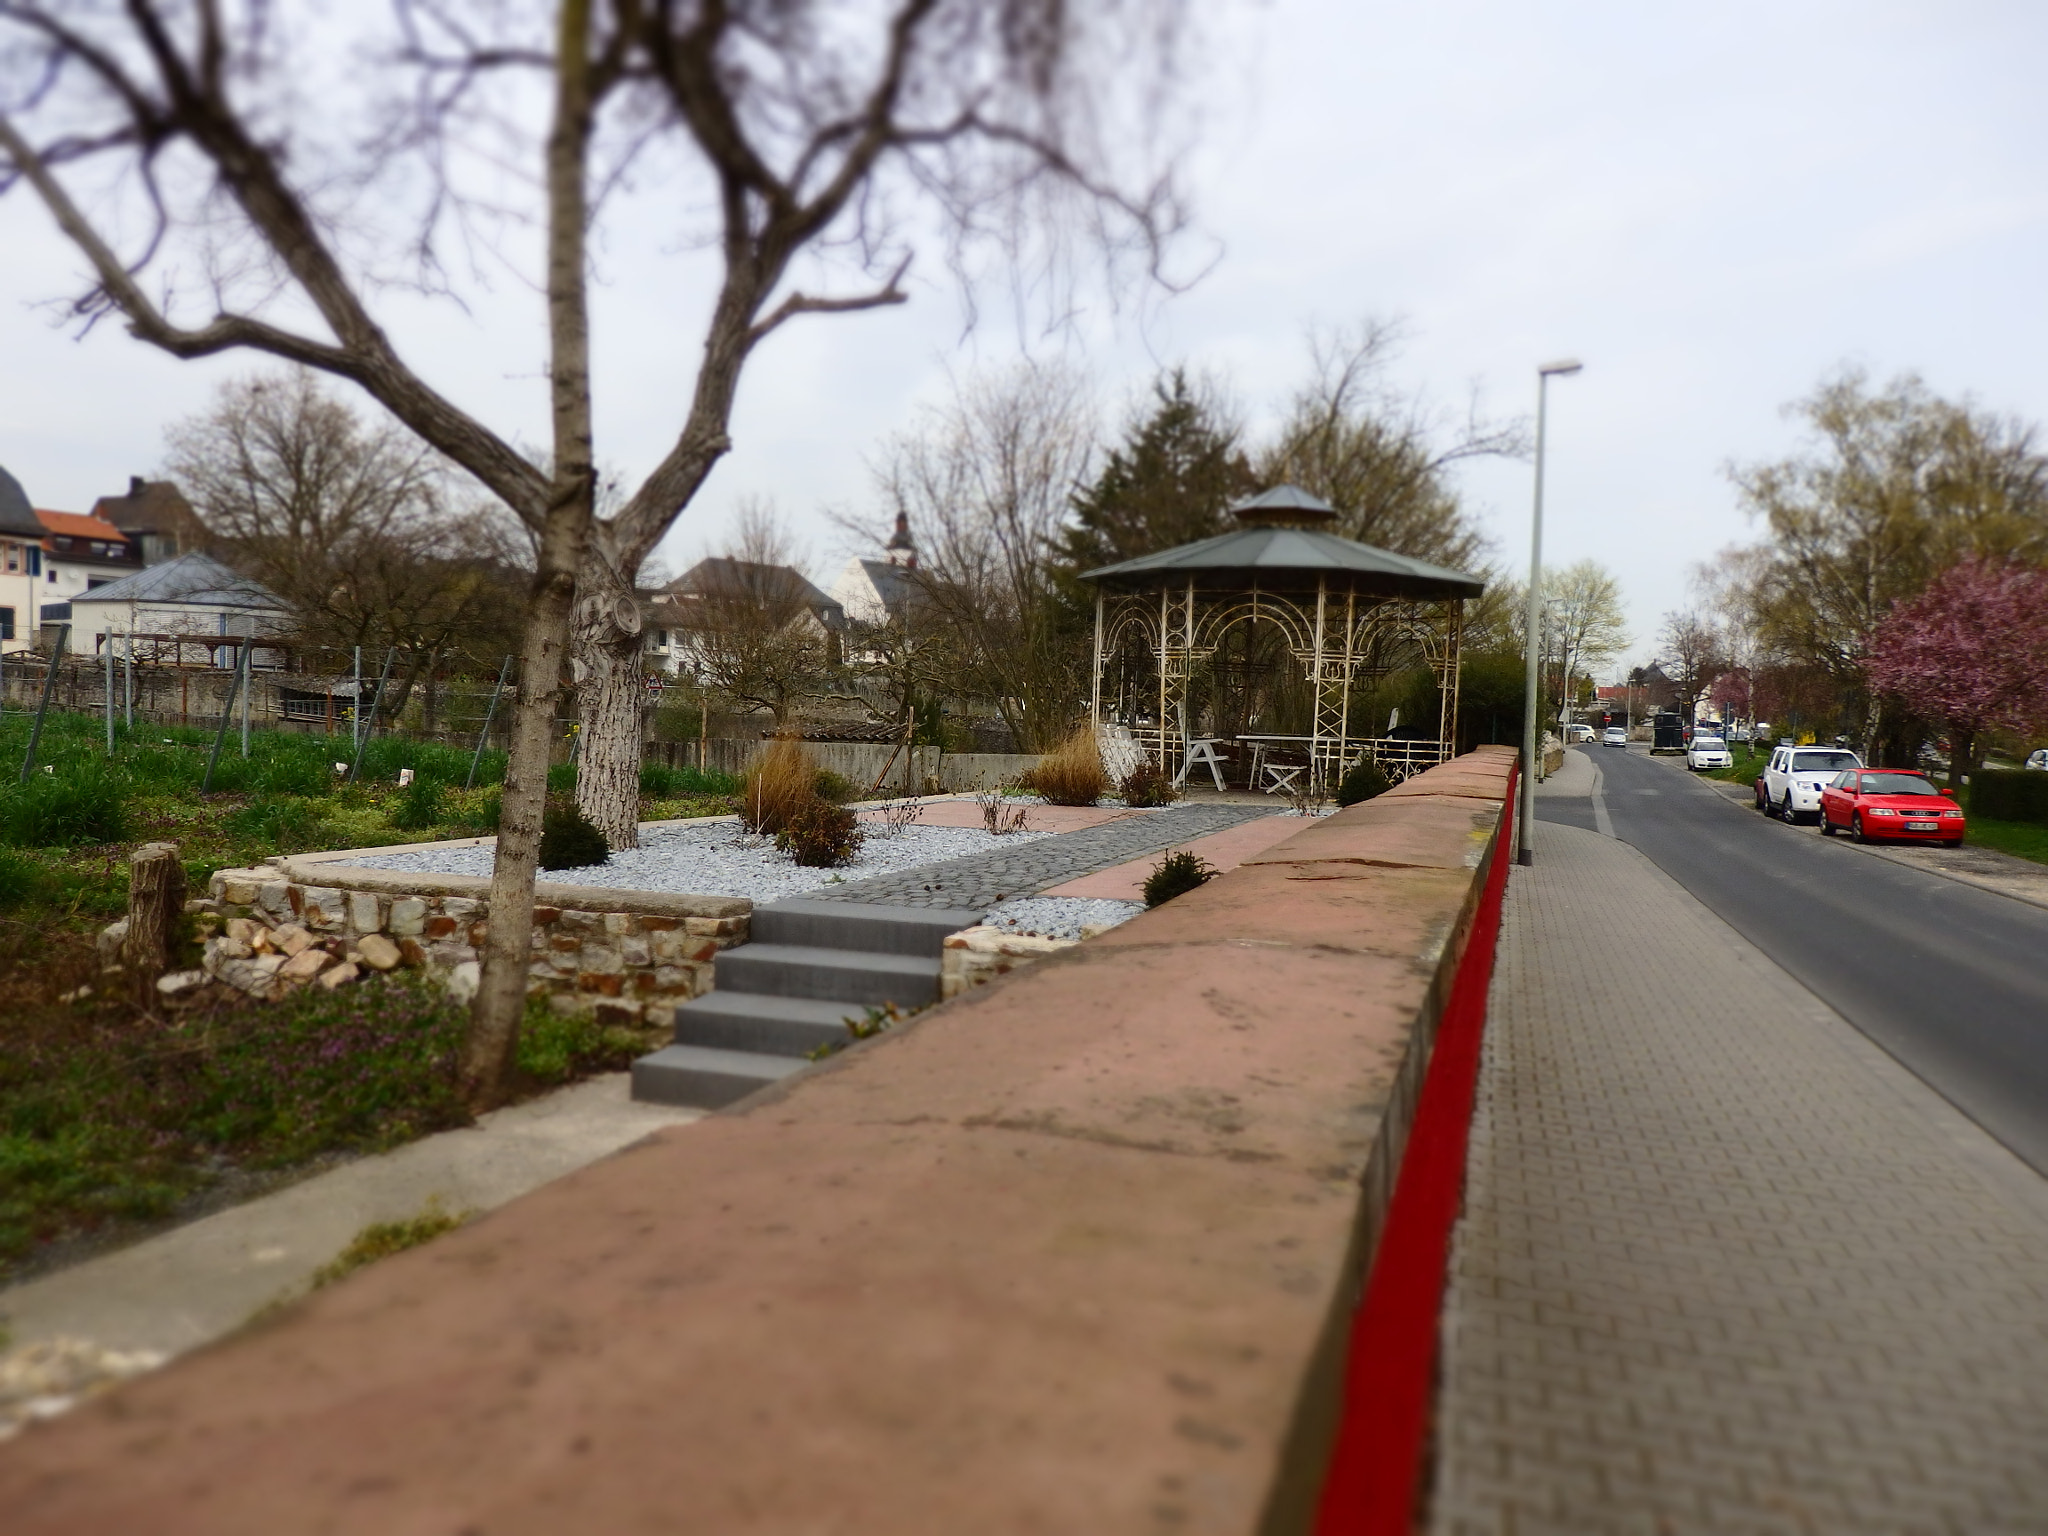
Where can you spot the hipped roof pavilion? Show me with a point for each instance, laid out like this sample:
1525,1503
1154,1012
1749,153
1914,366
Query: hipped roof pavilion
1344,609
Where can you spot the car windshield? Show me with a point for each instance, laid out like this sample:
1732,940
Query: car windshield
1709,744
1896,784
1822,762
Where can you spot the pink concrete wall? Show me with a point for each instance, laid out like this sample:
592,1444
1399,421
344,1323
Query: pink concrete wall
1075,1253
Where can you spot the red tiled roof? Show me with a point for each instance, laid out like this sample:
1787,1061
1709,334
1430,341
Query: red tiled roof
77,525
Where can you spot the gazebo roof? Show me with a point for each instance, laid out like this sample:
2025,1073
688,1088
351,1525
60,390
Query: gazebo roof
1277,559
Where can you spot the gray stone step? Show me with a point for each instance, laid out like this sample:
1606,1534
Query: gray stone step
858,926
834,975
704,1078
750,1021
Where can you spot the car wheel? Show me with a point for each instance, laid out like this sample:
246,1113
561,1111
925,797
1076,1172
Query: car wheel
1951,842
1856,833
1763,802
1827,828
1791,816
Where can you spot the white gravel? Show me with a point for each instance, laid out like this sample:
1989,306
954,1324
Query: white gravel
1061,917
721,859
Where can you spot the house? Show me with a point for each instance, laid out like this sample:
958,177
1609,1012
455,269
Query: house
716,593
173,611
21,567
879,591
79,554
155,518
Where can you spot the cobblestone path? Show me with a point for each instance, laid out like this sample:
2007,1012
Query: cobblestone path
982,879
1723,1266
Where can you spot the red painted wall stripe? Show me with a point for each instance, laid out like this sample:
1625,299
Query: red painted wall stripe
1389,1374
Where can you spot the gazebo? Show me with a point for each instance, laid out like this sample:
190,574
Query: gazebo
1194,644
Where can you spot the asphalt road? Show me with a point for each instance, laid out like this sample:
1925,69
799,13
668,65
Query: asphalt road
1951,980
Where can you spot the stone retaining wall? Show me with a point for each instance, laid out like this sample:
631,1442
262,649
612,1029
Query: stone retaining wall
624,954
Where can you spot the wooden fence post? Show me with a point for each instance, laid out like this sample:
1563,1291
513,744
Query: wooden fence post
156,900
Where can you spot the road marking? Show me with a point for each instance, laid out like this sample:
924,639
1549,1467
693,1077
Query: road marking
1602,822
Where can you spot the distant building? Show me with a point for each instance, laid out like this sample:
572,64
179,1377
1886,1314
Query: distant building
172,610
712,591
79,554
879,591
21,566
155,518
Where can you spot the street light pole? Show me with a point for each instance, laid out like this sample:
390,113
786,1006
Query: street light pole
1532,631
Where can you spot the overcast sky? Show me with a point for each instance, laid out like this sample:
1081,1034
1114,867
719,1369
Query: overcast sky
1714,207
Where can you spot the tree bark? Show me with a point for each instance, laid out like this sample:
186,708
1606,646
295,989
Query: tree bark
156,900
611,701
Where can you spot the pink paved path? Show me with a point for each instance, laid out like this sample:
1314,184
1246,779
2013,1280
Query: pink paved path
1226,850
1039,818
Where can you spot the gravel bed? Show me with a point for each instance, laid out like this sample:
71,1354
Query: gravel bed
1061,917
720,859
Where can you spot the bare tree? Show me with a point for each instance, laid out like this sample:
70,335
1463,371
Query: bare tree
1382,458
1584,617
1697,654
752,620
216,213
370,537
985,481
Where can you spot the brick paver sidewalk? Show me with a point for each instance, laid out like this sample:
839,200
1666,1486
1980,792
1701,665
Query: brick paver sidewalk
1723,1267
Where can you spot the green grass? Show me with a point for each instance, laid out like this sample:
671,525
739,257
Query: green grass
382,1239
1743,770
2022,839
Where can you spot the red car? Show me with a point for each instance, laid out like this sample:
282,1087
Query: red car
1870,803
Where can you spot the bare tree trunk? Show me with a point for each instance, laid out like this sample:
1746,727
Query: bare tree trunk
492,1056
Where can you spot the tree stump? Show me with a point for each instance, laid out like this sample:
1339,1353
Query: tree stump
156,900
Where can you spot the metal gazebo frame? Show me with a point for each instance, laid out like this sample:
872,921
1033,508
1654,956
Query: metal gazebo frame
1343,609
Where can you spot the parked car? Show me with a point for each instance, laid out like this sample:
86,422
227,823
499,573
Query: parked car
1871,803
1790,785
2037,760
1739,733
1578,733
1614,736
1708,752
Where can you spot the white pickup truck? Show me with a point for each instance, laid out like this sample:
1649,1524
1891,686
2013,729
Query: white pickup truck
1791,782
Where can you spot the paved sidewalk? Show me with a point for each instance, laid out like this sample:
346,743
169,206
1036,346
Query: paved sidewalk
1724,1266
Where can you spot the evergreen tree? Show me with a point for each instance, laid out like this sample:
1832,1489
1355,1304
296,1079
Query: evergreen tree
1179,467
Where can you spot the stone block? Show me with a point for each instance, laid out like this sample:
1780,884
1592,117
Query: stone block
365,911
321,907
290,939
633,950
601,957
602,983
478,932
238,886
463,908
463,980
274,898
439,926
178,983
610,1011
409,916
341,975
241,928
564,943
661,924
572,1003
666,947
716,927
542,916
619,924
304,966
413,951
378,952
572,921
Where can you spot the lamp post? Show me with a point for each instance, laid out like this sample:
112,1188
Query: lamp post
1532,633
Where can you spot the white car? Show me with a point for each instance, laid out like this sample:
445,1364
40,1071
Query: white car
1578,733
1793,779
1615,736
1708,752
2037,760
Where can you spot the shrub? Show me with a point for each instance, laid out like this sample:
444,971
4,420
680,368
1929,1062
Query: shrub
2009,794
681,783
781,782
1361,781
562,779
83,802
1071,773
1175,875
821,835
1146,786
568,841
836,787
21,878
477,810
419,806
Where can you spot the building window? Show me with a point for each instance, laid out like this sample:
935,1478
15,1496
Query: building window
52,573
6,623
13,557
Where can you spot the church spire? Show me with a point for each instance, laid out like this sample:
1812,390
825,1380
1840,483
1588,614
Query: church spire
900,550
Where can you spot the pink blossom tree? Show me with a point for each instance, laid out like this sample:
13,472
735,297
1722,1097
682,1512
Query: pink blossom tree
1971,651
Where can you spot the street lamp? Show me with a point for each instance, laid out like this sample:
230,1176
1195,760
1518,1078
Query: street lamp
1532,631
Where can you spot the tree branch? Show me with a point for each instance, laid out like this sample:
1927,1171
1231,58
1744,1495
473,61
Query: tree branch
803,304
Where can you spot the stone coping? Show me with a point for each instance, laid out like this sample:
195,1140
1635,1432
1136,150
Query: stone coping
1075,1252
316,871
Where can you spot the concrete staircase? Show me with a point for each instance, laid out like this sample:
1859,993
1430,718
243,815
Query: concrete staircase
807,968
